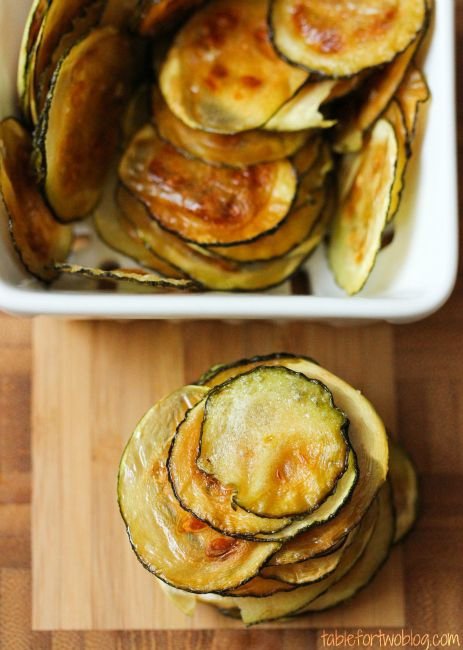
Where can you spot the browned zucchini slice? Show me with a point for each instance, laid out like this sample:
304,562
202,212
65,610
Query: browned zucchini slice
296,227
158,15
368,438
169,542
363,209
303,110
371,100
404,483
260,587
201,494
258,610
206,204
238,150
31,32
137,276
206,268
368,564
343,38
412,92
277,439
395,116
119,233
37,238
222,73
307,156
74,148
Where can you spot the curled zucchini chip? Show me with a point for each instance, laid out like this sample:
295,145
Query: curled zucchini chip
343,38
277,438
363,209
176,547
222,73
260,587
25,64
159,15
201,494
38,239
367,437
369,563
210,270
395,116
371,100
303,110
259,610
297,226
74,148
202,203
404,483
238,150
412,92
137,276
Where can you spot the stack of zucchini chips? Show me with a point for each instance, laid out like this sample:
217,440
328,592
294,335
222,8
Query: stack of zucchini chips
268,490
244,133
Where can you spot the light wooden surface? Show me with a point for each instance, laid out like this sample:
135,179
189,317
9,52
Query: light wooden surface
103,378
429,384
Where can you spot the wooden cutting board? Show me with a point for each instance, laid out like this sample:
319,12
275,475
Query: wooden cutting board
92,381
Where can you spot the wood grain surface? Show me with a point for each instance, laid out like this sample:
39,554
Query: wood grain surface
428,361
103,378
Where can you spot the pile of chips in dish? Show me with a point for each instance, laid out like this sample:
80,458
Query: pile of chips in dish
268,489
245,133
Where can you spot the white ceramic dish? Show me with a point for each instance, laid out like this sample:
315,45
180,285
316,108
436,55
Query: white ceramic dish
413,277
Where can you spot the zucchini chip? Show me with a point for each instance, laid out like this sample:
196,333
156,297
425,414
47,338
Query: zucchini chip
412,92
363,209
222,73
277,438
368,564
343,38
371,100
157,15
209,270
169,542
395,116
404,483
238,150
303,110
38,239
367,437
272,608
205,204
74,148
31,32
140,277
260,587
201,494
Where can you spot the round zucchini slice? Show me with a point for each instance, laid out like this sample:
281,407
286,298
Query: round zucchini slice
368,439
279,605
412,92
363,209
222,73
343,38
205,204
38,239
367,566
210,270
277,438
238,150
137,276
169,542
404,483
74,148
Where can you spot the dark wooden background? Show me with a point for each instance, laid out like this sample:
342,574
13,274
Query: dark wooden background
429,374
